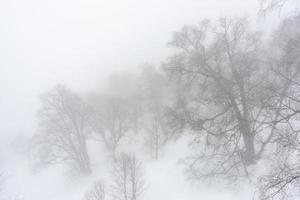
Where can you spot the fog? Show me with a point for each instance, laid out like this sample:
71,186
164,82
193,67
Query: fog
85,45
79,43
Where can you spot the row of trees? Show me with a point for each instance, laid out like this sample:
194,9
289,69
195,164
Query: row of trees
235,94
133,105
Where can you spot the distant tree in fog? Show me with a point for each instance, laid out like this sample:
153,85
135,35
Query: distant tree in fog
110,120
96,192
128,178
127,86
116,111
63,129
154,103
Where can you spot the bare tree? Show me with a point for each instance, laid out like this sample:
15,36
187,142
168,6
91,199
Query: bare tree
224,96
63,120
110,120
154,103
128,178
116,111
281,183
96,192
283,179
127,86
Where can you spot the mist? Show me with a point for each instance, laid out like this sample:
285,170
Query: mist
140,100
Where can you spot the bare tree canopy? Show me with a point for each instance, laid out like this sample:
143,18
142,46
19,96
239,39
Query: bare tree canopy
64,129
283,180
110,120
236,104
128,178
221,71
154,120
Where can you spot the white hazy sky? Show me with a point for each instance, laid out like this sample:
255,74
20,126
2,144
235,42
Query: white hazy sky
80,42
